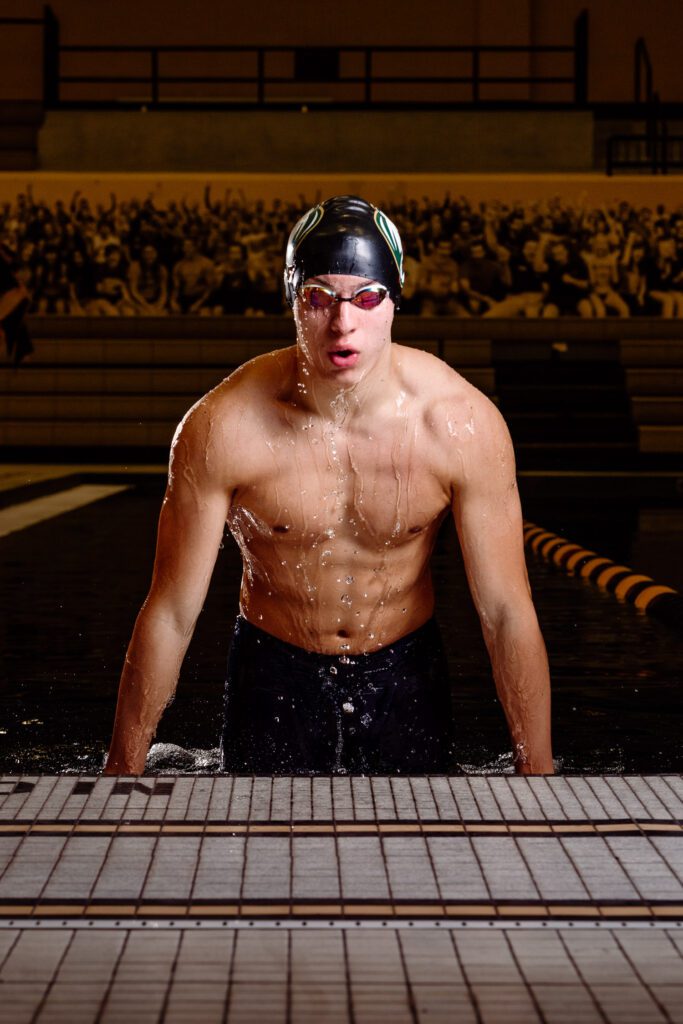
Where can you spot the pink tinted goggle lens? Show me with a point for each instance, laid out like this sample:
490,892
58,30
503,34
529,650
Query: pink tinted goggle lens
322,298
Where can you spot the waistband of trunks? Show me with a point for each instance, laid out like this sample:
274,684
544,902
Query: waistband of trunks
425,636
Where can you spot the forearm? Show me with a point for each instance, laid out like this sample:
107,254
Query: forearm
520,669
148,682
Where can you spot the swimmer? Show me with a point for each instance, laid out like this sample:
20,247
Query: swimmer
334,463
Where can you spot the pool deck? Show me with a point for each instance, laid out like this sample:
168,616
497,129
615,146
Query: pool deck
230,899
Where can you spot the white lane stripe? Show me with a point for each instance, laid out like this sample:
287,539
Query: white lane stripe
27,513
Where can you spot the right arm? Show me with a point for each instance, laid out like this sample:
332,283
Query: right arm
191,528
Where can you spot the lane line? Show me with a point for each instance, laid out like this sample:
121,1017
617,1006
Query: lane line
28,513
663,602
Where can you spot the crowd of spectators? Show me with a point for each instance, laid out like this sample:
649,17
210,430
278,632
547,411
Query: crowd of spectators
224,256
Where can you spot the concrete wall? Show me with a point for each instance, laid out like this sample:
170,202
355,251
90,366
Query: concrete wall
286,141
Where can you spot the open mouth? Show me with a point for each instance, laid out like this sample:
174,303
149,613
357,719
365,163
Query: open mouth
344,357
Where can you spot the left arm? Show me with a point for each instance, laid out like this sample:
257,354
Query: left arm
488,518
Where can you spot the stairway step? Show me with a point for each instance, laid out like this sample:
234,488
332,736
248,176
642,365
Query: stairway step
556,373
570,427
556,398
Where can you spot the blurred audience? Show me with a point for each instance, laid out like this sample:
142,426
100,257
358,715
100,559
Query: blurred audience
223,257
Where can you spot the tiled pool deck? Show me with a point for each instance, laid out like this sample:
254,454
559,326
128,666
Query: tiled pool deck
226,899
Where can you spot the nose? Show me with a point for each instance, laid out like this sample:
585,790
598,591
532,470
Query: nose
342,320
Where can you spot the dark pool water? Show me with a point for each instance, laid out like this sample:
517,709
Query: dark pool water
71,588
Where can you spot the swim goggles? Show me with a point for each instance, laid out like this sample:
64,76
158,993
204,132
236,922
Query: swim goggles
317,296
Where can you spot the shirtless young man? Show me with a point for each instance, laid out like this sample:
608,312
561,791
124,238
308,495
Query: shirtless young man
334,462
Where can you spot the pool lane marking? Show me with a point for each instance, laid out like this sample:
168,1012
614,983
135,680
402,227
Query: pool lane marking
661,601
28,513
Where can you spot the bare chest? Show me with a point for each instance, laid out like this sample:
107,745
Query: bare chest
318,484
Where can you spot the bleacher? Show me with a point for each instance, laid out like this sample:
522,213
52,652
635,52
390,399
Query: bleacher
582,395
113,393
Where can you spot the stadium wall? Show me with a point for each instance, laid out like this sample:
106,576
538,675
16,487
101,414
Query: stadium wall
614,27
293,141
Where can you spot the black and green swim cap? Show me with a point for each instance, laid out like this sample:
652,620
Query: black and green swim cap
344,235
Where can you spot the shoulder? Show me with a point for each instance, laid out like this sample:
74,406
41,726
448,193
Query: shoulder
433,380
221,426
465,428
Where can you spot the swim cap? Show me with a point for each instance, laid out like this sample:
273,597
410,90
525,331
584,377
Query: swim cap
344,235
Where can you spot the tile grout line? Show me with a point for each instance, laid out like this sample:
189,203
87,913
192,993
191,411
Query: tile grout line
430,856
641,979
525,981
646,780
582,979
43,999
468,983
153,851
112,979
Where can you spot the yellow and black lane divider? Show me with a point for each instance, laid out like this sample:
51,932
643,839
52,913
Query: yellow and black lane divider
663,602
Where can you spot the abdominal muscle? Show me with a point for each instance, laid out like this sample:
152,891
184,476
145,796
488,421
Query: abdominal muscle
336,520
333,595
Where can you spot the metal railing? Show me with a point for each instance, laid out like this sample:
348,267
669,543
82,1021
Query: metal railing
312,66
657,155
654,151
642,73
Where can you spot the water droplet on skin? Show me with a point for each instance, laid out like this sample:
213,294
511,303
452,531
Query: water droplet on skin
345,599
348,579
345,647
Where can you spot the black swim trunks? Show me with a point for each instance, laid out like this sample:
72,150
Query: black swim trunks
296,712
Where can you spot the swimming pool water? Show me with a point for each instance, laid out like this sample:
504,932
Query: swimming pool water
72,586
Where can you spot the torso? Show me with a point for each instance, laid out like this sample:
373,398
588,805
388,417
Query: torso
336,518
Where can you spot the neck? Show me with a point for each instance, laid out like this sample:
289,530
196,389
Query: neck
343,401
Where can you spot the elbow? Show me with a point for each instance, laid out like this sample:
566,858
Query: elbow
515,616
178,623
